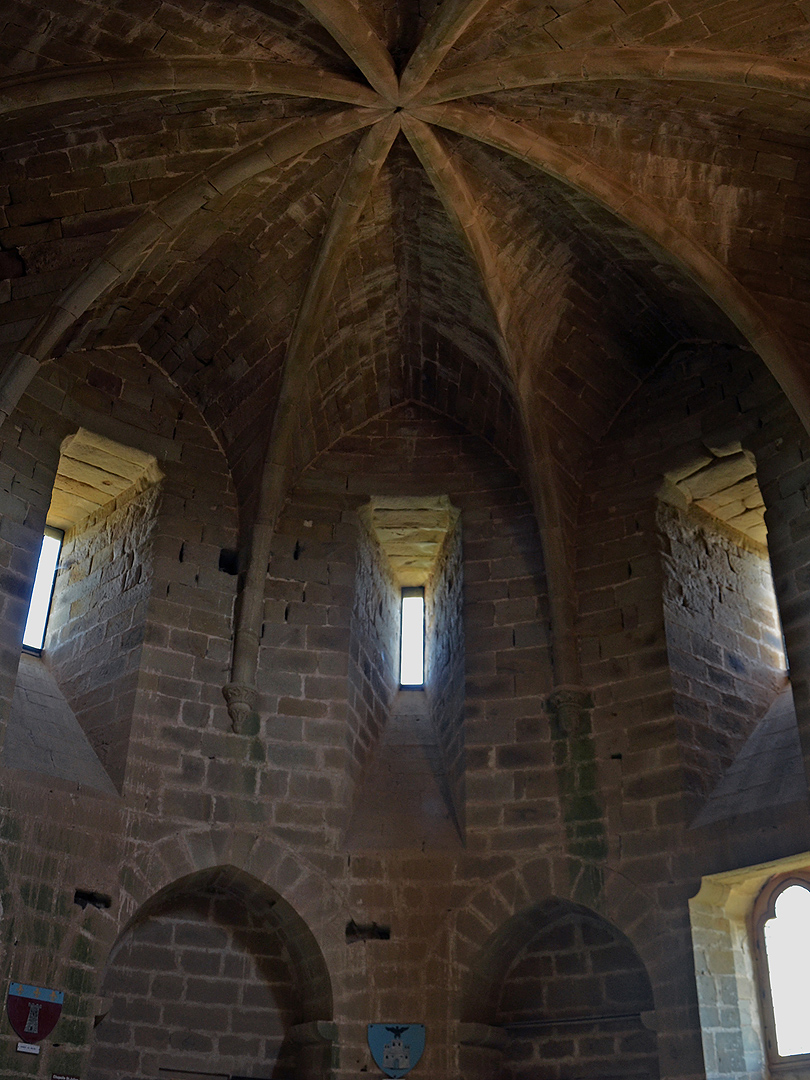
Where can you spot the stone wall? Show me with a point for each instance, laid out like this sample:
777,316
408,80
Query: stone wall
651,783
724,640
591,812
444,660
374,652
97,622
410,453
537,259
626,628
45,934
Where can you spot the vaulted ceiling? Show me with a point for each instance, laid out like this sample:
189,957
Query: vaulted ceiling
306,212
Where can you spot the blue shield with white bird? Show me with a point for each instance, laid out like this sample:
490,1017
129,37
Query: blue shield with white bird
396,1048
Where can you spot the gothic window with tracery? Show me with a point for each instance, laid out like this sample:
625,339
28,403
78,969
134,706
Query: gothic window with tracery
782,943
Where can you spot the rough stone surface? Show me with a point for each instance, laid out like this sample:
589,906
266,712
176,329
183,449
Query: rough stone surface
724,640
43,734
546,262
765,772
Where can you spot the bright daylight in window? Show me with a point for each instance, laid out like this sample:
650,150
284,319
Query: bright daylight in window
40,607
787,943
412,640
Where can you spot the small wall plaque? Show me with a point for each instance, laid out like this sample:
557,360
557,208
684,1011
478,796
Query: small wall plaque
27,1048
33,1012
396,1048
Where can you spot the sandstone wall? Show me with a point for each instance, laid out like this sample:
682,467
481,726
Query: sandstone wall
585,800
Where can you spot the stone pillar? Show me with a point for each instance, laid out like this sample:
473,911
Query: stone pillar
481,1049
569,709
314,1040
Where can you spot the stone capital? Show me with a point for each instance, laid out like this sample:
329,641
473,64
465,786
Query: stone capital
567,705
313,1032
241,700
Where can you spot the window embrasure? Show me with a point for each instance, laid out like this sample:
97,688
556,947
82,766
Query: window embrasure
94,476
781,930
402,720
413,534
72,717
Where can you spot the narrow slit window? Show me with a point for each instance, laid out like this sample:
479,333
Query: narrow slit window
412,638
40,607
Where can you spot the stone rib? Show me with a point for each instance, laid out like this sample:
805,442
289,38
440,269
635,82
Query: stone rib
445,27
166,76
348,206
461,209
357,38
632,63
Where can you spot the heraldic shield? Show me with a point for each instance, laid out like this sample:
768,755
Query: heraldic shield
33,1010
396,1048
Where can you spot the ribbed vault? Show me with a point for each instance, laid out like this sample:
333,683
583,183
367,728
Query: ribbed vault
305,213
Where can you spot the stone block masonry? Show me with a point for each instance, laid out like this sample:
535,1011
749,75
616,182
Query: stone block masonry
538,268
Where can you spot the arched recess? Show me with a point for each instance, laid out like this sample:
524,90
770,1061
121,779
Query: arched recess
215,972
565,991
